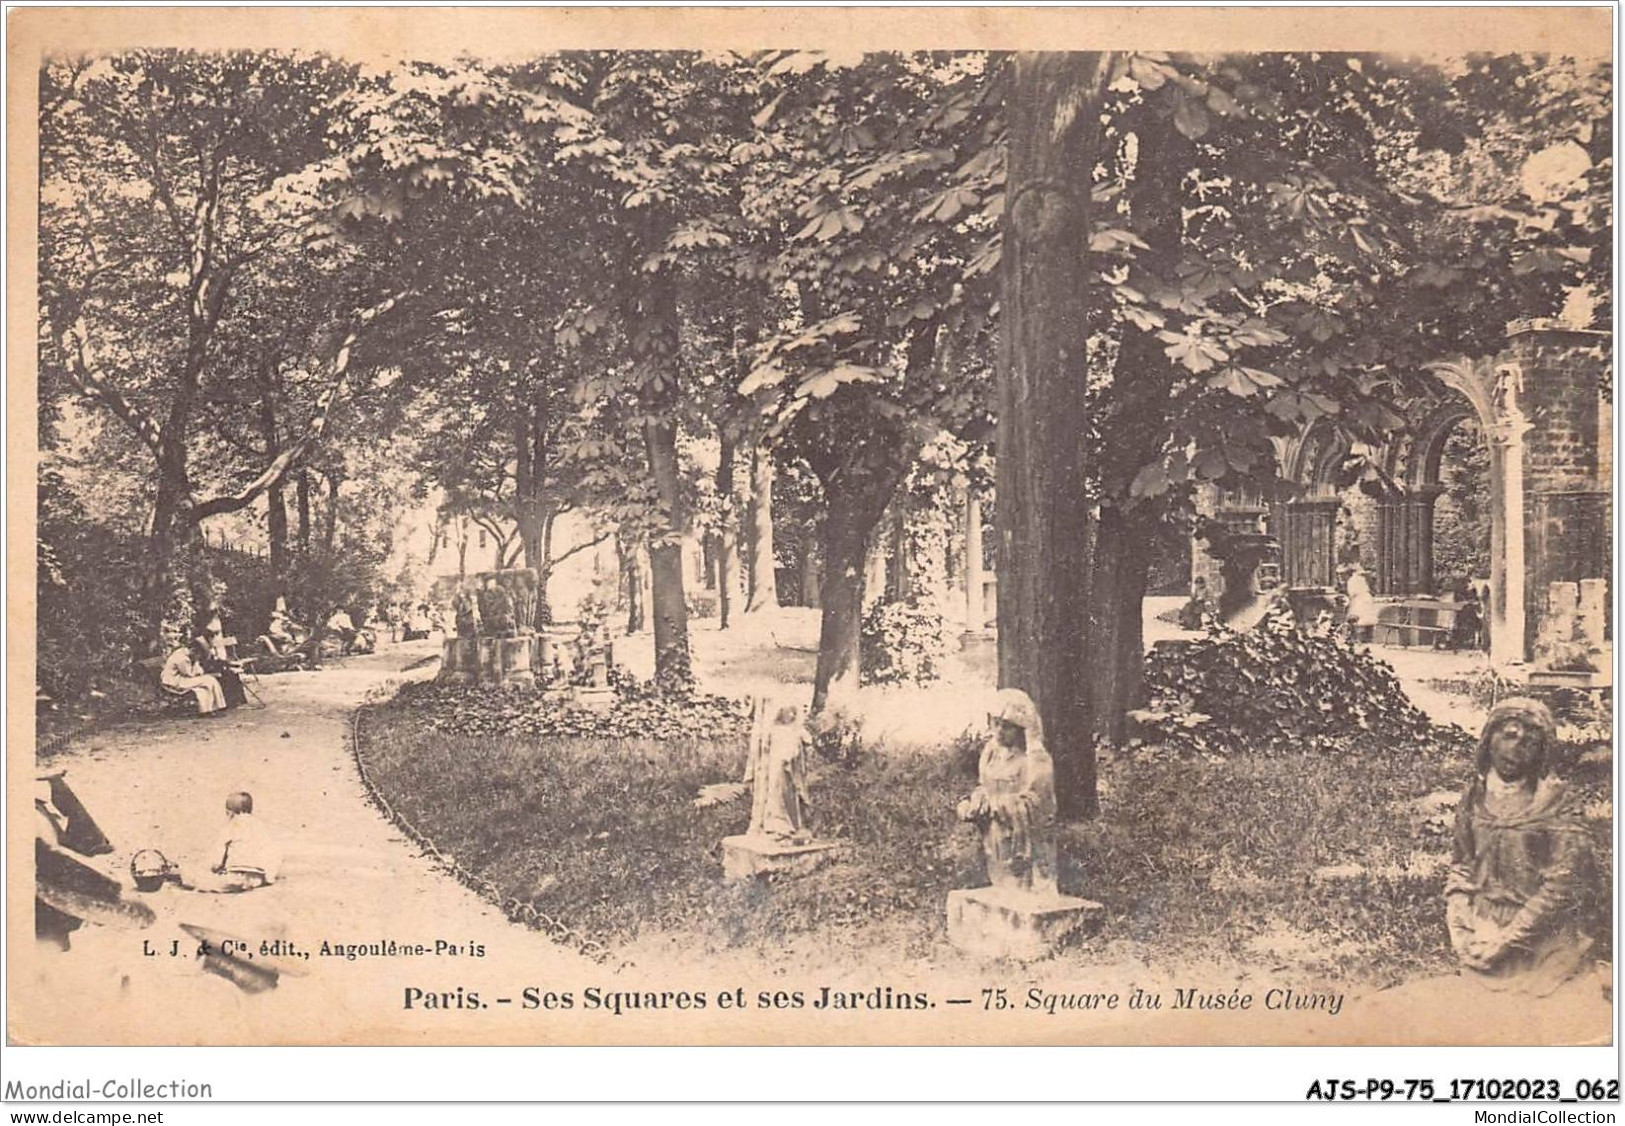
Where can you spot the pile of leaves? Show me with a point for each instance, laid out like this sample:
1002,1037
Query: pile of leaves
902,642
639,712
1279,687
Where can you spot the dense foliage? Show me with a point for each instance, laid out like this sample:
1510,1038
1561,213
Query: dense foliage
638,712
1277,688
87,596
903,642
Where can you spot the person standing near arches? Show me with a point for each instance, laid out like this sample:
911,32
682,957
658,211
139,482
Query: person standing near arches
1362,608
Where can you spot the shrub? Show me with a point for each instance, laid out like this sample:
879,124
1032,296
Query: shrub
1276,688
902,642
703,604
639,712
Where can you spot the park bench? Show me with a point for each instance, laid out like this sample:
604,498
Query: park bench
176,701
1416,621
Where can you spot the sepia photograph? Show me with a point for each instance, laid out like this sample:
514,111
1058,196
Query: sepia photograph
696,529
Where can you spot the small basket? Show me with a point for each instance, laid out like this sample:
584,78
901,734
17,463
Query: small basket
150,869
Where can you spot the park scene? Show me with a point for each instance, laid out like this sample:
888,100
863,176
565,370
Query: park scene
854,524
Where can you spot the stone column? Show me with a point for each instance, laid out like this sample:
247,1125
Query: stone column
1392,572
1419,538
975,612
1309,543
1506,609
874,576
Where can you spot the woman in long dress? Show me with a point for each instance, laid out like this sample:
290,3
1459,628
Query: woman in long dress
1362,608
183,674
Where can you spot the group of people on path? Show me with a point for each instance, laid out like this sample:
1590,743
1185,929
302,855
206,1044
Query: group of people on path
204,669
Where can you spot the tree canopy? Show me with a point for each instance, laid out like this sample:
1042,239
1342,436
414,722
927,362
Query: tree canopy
546,283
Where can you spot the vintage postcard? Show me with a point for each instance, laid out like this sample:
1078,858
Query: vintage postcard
811,526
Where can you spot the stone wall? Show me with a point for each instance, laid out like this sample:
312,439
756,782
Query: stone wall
1567,506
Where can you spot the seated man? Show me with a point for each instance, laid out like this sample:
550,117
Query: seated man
341,627
1522,856
283,633
247,855
183,674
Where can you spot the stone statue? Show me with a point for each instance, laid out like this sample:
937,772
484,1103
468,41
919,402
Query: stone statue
1522,861
496,608
467,613
777,772
1014,800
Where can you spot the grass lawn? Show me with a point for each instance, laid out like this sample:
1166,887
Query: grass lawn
1329,864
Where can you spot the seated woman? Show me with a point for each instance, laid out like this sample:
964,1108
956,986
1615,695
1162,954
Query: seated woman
340,626
182,674
1522,855
213,658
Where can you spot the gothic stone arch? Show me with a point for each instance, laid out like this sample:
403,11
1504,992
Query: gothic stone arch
1539,407
1308,521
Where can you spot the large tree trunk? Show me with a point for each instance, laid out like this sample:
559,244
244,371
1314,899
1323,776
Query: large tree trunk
169,532
762,591
666,558
330,515
652,323
1044,479
857,496
632,576
1116,671
276,531
1132,438
302,500
727,553
846,549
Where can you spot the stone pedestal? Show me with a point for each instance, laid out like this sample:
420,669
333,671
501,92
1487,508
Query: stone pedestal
745,856
1558,623
593,699
996,922
555,642
487,660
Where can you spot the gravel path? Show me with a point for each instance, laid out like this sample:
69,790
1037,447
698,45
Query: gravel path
349,877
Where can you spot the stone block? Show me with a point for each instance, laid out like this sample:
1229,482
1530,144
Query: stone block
996,922
487,660
745,856
593,699
1593,619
